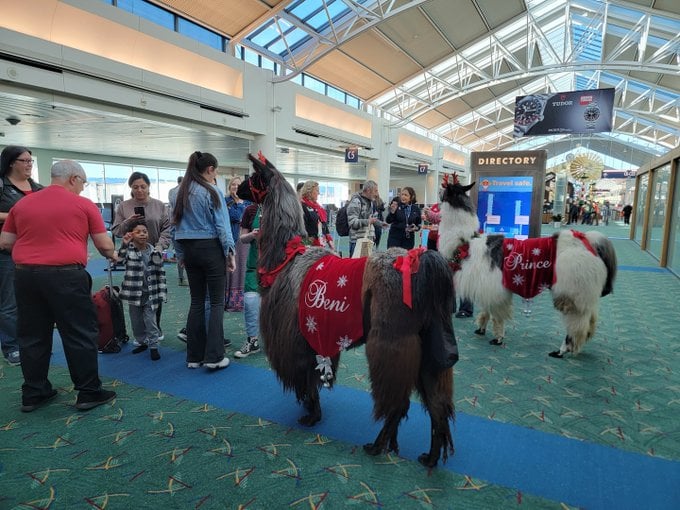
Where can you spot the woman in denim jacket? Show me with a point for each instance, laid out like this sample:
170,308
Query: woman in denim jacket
206,248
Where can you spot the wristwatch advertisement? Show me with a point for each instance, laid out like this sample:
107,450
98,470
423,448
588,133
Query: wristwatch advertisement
591,114
528,112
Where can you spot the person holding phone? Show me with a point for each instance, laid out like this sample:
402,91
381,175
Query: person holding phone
154,213
404,218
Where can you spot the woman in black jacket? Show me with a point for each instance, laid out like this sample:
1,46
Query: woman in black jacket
404,219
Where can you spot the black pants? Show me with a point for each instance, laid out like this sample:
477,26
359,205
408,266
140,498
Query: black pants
206,268
62,296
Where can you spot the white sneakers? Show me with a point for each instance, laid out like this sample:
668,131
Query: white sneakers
224,363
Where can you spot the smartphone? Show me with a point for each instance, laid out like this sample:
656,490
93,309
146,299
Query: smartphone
139,210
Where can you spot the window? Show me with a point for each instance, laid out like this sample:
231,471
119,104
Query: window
148,11
191,29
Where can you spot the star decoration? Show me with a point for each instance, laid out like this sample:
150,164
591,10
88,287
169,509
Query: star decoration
518,280
536,252
342,281
311,324
509,246
344,342
320,266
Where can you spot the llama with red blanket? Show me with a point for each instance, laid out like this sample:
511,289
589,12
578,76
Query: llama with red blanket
578,268
316,305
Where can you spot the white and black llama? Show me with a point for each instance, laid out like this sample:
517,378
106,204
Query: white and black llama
580,270
409,346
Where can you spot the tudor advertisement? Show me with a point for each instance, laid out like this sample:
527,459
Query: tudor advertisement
562,113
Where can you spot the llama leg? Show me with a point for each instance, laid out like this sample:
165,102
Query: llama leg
436,391
310,400
482,320
565,347
498,331
386,441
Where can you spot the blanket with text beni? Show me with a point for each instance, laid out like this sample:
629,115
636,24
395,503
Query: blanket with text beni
329,311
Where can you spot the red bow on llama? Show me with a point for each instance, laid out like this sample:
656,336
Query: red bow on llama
408,265
293,247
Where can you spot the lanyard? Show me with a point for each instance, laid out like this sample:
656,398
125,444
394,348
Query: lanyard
407,212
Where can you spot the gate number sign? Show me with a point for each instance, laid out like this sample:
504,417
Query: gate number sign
351,155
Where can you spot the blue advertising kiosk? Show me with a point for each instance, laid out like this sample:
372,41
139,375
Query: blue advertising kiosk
509,191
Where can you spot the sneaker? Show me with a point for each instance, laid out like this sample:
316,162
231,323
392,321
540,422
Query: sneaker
87,401
36,403
135,343
224,363
13,358
227,342
250,346
140,348
155,355
191,364
182,335
463,315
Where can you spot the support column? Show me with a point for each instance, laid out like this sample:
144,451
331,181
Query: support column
378,170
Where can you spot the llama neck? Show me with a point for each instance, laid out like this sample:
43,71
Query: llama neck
457,227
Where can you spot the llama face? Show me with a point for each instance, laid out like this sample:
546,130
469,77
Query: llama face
456,196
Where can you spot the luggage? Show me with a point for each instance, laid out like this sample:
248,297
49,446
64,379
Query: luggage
110,318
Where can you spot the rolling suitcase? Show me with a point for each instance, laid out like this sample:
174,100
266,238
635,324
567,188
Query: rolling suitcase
110,318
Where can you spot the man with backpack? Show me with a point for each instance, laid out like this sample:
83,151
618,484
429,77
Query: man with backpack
360,215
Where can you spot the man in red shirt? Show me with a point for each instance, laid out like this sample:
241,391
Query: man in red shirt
47,235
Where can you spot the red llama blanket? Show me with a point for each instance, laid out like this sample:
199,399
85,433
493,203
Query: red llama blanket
329,306
528,265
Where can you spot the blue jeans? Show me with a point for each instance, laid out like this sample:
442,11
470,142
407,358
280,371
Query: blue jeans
251,307
206,268
8,305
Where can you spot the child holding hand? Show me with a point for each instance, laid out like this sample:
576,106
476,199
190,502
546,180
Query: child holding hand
144,286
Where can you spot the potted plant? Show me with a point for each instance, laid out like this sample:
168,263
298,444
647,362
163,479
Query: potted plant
557,220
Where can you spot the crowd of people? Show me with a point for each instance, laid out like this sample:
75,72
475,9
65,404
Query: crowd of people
215,239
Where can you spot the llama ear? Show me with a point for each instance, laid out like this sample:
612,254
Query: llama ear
468,187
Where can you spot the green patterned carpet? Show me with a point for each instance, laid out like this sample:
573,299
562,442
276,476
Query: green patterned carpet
149,449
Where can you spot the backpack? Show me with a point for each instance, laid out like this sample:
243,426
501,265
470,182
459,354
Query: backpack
342,222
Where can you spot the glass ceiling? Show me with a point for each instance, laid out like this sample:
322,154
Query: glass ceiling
568,35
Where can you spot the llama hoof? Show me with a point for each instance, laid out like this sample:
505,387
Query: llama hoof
496,341
309,420
372,449
426,460
556,354
480,332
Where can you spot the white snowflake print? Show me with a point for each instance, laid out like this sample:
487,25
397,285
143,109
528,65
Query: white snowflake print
518,280
344,342
342,281
320,266
536,252
311,324
509,246
543,287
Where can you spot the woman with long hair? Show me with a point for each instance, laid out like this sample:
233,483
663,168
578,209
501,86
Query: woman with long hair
233,301
315,216
404,219
16,165
206,248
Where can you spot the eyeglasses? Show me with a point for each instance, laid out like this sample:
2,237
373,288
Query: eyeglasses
83,179
29,161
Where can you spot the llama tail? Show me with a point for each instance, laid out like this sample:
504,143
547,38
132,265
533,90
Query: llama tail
605,250
434,301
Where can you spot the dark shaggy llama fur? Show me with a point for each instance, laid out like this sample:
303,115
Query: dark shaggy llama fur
581,278
403,345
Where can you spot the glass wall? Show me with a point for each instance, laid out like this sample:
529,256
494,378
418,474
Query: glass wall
639,213
106,179
674,233
657,209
